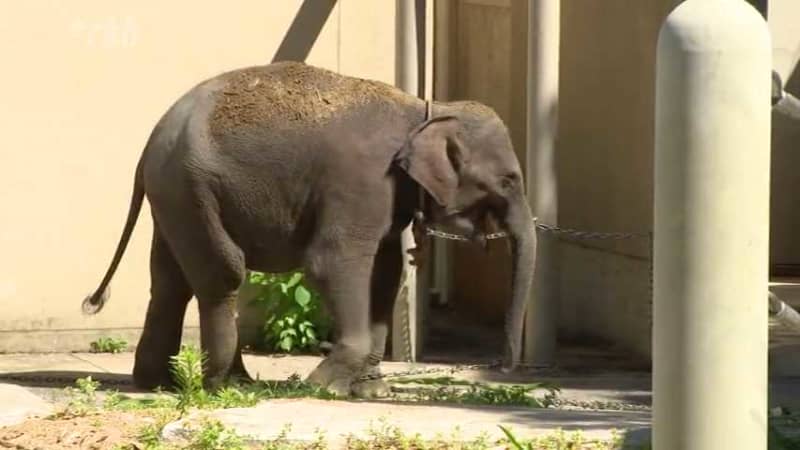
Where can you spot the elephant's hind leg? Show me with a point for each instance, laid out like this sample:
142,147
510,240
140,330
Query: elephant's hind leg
215,268
161,337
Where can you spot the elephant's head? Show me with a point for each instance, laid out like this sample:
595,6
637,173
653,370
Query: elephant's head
464,160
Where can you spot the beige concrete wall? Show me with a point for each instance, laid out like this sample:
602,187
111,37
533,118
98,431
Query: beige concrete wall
486,54
605,166
84,81
785,214
605,161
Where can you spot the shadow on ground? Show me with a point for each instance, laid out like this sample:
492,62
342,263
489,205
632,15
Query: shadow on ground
66,378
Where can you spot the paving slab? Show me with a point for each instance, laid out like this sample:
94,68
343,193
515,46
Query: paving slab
268,420
20,404
35,362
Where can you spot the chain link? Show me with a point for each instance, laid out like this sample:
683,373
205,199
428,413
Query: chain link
569,233
553,229
589,235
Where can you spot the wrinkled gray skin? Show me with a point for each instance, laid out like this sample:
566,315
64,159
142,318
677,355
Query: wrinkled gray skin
324,182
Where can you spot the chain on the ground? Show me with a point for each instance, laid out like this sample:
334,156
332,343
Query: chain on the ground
428,371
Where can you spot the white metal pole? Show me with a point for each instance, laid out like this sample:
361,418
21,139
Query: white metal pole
541,319
404,318
712,165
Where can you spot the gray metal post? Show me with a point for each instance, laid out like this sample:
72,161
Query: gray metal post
712,166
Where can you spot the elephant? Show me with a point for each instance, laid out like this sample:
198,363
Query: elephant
290,166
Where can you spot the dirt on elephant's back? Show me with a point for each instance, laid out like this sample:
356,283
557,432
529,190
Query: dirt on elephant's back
290,94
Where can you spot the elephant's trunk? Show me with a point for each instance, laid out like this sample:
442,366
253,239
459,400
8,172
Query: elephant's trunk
522,232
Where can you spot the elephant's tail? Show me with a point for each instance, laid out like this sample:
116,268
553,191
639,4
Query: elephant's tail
95,302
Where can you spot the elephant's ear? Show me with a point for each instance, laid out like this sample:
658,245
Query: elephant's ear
433,156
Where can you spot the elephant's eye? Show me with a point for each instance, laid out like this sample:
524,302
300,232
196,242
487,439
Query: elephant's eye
508,181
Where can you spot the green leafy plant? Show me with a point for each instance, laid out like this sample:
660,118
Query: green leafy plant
234,397
108,345
149,436
385,436
212,435
82,398
295,320
87,387
187,370
560,440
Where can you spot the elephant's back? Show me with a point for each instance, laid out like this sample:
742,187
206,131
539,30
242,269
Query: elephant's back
291,95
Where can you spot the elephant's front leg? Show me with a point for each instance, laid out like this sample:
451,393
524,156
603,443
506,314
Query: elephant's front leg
386,277
342,275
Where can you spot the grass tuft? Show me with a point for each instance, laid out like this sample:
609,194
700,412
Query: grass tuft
108,345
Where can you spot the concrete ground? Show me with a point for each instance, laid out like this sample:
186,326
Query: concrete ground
34,392
600,391
340,419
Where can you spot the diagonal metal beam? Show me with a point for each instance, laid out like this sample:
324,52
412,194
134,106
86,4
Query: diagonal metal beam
304,30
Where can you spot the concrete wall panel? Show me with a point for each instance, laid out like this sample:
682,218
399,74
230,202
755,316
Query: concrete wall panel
83,84
605,162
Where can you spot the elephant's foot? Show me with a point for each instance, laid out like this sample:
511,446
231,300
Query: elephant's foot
149,378
334,376
238,372
371,387
216,379
343,381
338,372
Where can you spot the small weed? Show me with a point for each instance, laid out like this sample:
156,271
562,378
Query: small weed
320,441
149,436
281,442
83,398
108,345
385,437
559,440
293,387
187,370
213,435
113,400
87,387
234,397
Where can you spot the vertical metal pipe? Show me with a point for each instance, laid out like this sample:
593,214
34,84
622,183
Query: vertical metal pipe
712,166
541,319
404,318
441,92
